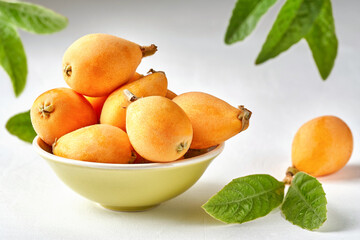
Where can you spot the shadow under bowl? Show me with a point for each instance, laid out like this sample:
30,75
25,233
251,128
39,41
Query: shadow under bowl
128,187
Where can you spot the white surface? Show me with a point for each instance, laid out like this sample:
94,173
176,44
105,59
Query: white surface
282,93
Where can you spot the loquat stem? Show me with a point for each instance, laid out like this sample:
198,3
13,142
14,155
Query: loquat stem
244,117
290,173
154,71
148,50
130,96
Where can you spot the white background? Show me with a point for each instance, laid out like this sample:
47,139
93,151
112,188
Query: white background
283,94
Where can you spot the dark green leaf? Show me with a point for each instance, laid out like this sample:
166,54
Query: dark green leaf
305,202
245,16
20,126
322,40
293,22
246,198
32,18
12,56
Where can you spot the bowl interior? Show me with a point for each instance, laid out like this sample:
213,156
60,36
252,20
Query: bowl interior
191,157
129,187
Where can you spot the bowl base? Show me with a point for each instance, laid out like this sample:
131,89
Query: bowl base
128,209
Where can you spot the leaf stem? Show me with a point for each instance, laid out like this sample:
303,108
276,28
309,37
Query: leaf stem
290,173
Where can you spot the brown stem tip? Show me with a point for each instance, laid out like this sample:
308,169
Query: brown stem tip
244,117
151,71
148,50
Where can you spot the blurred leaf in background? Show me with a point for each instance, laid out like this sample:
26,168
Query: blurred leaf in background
12,56
28,17
311,20
322,40
20,126
34,19
245,16
293,22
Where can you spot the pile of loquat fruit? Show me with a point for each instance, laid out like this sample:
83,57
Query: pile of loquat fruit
112,114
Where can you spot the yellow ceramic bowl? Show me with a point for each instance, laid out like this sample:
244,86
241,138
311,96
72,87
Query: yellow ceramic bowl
127,187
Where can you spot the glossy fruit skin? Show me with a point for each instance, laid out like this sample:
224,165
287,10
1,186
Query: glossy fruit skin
97,143
135,77
97,64
214,120
158,129
69,111
322,146
114,109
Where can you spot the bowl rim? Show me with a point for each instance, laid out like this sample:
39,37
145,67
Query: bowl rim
188,161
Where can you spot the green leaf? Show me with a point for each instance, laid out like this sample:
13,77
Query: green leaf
32,18
246,198
12,56
322,40
20,126
245,16
305,202
293,22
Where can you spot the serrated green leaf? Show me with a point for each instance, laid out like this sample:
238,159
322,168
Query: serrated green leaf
322,40
293,22
245,16
12,56
305,202
32,18
246,198
20,126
